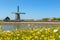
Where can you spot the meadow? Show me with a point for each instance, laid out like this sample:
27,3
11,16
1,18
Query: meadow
36,33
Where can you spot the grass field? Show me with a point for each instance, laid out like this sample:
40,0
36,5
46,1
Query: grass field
42,33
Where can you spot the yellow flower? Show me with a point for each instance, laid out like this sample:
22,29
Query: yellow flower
32,39
51,36
59,36
36,36
40,38
31,31
1,38
46,32
52,39
27,38
37,33
8,38
23,37
17,37
42,35
45,38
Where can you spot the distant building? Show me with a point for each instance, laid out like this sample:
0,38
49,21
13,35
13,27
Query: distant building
7,19
51,19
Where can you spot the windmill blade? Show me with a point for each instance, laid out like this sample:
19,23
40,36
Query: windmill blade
17,12
13,12
22,13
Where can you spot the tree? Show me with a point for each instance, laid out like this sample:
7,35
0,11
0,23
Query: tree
45,19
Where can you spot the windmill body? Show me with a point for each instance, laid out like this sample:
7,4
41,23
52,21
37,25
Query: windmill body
17,17
17,14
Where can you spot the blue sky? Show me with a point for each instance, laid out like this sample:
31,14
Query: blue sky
34,9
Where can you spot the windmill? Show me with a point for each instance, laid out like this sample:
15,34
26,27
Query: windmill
17,14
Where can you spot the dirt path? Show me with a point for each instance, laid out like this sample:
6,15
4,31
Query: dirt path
29,22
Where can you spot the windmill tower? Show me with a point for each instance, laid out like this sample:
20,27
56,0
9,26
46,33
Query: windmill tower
17,14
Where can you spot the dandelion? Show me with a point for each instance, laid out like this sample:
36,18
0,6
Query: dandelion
55,30
51,36
41,30
59,36
45,38
18,34
46,29
40,38
8,31
42,35
36,36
